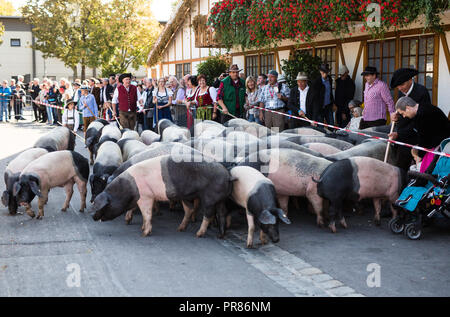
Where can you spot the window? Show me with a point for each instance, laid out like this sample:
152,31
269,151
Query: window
267,63
328,56
179,70
418,53
251,65
381,54
186,68
15,42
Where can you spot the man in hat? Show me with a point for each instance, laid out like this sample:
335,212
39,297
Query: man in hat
323,95
377,98
127,97
89,107
404,127
71,117
231,95
274,96
301,102
93,82
345,91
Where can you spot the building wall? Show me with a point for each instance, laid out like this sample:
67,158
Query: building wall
444,80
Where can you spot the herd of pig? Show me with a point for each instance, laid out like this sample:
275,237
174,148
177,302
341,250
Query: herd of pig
222,167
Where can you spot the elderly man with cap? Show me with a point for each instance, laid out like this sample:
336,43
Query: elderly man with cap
127,97
231,96
323,95
377,99
345,91
89,107
301,102
274,96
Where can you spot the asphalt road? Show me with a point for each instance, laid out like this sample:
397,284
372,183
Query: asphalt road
68,254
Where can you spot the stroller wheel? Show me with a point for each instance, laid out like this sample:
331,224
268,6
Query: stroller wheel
396,225
412,232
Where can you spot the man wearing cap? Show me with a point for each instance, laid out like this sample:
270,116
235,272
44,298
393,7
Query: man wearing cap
377,98
323,95
231,95
89,106
273,97
404,127
127,97
345,92
301,102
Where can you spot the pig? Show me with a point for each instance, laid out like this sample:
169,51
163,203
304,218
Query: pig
358,178
356,138
109,133
109,158
257,130
152,151
212,132
58,139
92,136
164,178
170,132
12,173
322,148
372,148
291,172
256,193
341,145
130,134
149,137
130,147
305,131
201,126
237,122
55,169
239,136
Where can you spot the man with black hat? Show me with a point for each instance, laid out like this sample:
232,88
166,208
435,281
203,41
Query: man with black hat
404,127
127,97
377,98
231,95
323,96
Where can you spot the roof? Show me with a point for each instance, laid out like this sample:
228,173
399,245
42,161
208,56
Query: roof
9,17
169,31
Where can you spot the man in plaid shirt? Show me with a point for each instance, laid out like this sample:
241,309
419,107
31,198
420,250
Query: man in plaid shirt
274,96
377,98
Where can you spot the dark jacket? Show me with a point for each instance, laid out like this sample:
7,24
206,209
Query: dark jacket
294,102
96,91
109,92
345,92
432,126
405,126
319,94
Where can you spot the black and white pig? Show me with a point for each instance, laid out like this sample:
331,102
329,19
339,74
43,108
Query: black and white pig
109,133
58,139
149,137
130,134
370,148
92,136
130,147
12,174
165,178
358,178
55,169
256,193
170,132
303,139
109,158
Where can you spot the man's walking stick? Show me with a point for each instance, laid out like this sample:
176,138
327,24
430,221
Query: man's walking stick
389,143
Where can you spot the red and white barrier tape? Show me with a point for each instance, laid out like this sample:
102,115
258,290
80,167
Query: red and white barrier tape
358,133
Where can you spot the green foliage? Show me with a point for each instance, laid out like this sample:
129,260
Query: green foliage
2,30
301,61
212,68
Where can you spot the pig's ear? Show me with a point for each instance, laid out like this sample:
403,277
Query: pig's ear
16,188
35,188
91,179
280,213
266,218
5,198
100,202
89,141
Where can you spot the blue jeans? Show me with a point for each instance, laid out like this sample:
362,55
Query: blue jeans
49,114
252,118
3,108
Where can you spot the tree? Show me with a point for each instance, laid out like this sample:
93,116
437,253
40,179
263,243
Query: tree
212,68
128,35
7,8
2,30
301,61
65,29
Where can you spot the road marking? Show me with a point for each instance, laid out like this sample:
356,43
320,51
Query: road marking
287,270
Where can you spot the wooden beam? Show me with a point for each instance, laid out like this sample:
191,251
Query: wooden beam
434,97
278,61
200,59
341,53
358,59
446,50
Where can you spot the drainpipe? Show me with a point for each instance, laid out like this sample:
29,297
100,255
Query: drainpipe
33,41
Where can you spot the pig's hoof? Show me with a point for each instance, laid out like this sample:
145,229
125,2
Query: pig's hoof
332,227
200,234
128,221
146,234
81,211
64,209
39,217
344,223
91,163
249,245
377,222
31,214
181,229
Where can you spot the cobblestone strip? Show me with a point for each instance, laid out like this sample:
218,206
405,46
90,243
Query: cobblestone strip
289,271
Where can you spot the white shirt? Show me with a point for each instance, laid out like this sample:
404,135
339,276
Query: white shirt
115,99
303,94
212,93
410,89
67,118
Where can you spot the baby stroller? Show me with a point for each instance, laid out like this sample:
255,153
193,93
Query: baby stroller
426,199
